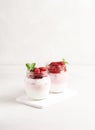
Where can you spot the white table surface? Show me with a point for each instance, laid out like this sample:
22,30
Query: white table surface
75,113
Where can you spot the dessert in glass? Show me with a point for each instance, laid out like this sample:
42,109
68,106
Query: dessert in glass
37,82
58,75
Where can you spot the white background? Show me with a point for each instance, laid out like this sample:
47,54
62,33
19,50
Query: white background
43,30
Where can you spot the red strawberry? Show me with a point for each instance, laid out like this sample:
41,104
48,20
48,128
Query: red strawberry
54,69
36,71
53,63
38,76
42,68
60,63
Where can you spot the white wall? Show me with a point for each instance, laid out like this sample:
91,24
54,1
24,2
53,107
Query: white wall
42,30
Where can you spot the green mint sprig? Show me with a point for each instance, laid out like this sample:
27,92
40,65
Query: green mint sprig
65,62
30,67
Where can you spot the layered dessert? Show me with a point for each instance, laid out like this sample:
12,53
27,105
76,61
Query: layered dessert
37,83
58,75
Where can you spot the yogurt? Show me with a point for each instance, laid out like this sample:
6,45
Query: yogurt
58,81
37,88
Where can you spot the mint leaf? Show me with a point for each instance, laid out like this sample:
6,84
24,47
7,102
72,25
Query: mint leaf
65,61
30,67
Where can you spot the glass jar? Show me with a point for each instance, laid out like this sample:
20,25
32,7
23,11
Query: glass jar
58,81
37,87
58,75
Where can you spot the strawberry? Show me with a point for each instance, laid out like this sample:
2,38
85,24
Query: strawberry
56,67
40,72
53,63
54,70
36,71
60,63
38,76
42,68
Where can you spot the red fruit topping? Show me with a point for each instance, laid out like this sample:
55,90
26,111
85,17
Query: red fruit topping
54,70
44,73
56,67
60,63
36,71
38,76
53,63
42,68
40,72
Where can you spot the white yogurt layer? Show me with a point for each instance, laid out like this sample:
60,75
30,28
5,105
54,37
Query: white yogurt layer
58,81
37,88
